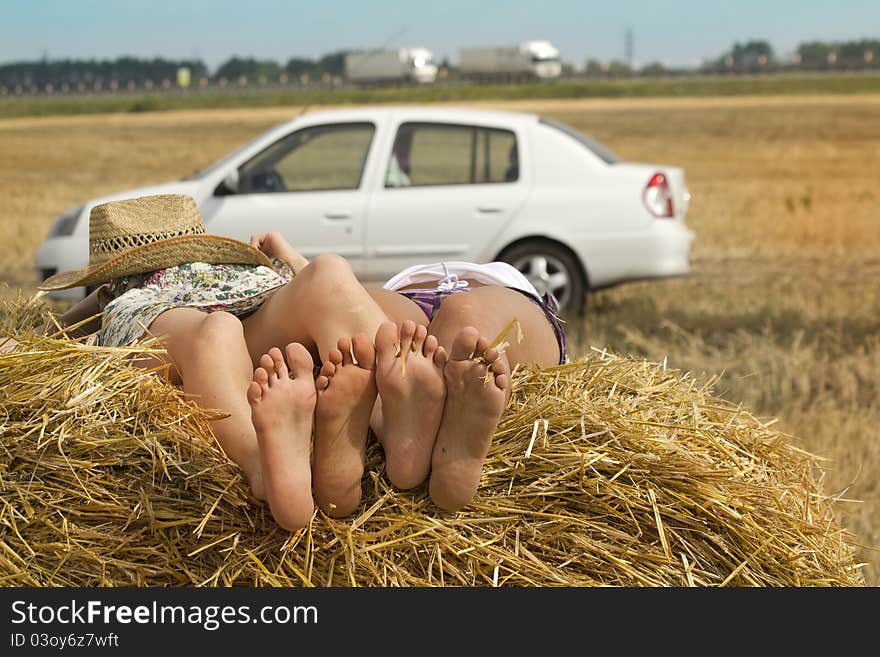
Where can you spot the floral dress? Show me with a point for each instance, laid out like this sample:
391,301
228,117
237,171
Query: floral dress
131,304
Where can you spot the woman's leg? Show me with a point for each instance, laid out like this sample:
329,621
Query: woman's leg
282,399
326,309
490,309
478,380
213,365
477,389
412,392
346,394
211,361
397,308
322,303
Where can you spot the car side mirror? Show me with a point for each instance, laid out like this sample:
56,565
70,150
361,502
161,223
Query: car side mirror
230,182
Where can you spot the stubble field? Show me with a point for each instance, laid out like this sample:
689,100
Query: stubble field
782,308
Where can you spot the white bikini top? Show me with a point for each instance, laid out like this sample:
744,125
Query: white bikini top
450,276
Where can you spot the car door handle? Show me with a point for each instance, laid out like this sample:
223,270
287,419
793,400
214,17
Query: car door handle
489,209
337,214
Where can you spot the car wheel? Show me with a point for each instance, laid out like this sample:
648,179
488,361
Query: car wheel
551,268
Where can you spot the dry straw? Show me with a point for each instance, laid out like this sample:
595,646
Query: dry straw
605,471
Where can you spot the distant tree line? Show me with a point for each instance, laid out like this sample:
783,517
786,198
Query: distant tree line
132,72
74,72
758,56
128,71
299,68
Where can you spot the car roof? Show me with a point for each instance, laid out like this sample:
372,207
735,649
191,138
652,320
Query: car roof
419,112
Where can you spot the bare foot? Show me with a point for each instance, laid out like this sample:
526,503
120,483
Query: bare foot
412,392
282,411
346,393
477,390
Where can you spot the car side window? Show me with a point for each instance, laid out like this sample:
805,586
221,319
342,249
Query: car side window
444,154
325,157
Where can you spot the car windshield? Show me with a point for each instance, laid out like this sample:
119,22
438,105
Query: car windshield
201,173
221,163
605,154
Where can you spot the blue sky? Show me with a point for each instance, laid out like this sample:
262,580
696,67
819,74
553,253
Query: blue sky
675,32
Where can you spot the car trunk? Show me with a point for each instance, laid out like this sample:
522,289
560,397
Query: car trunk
675,179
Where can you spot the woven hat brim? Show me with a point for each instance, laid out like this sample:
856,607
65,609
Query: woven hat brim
213,249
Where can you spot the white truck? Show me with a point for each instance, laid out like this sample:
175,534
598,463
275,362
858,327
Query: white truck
527,61
401,65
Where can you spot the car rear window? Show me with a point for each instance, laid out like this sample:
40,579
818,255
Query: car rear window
605,154
452,154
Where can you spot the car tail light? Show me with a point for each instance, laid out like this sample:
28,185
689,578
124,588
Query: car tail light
658,197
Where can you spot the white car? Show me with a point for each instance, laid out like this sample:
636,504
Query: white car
388,187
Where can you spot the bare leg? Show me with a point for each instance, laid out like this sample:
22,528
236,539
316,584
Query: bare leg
465,323
490,309
282,411
346,394
409,377
477,389
398,309
322,303
215,369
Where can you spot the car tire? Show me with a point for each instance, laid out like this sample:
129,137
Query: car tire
549,266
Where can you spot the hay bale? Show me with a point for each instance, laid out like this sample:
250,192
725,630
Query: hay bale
604,471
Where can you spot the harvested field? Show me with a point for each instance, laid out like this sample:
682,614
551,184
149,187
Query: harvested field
782,306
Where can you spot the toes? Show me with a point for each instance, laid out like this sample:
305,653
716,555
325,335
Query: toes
299,360
267,364
278,363
429,345
482,350
335,358
464,344
500,373
419,337
261,377
322,382
497,366
254,393
386,343
328,369
488,355
343,346
440,357
407,332
364,351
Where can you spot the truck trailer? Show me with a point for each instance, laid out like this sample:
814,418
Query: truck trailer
527,61
398,66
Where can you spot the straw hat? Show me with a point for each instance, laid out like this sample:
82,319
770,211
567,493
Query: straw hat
139,235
